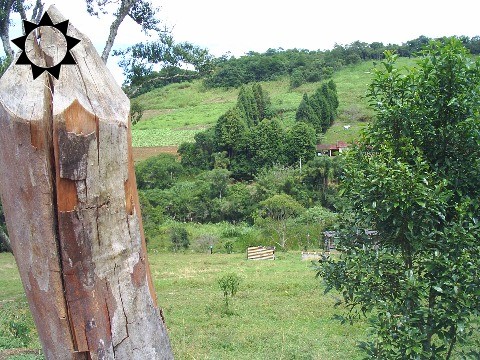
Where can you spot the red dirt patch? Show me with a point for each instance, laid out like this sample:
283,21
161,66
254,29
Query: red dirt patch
142,153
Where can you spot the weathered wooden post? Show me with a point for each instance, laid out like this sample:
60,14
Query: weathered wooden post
69,194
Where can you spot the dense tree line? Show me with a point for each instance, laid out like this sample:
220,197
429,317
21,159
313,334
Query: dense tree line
247,138
278,196
311,66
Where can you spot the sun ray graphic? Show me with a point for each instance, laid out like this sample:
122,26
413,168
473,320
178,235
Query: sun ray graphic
21,42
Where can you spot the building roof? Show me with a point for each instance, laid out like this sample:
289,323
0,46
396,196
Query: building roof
339,145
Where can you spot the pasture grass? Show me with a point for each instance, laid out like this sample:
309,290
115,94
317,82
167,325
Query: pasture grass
279,312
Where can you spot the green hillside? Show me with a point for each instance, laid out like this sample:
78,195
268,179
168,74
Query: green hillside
175,113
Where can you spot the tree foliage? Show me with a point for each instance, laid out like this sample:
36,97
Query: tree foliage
304,66
157,63
158,172
275,212
301,143
242,138
414,180
320,109
179,238
7,9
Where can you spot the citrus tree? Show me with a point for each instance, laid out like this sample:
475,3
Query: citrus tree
414,180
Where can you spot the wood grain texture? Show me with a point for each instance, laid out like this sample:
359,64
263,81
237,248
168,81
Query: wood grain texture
69,192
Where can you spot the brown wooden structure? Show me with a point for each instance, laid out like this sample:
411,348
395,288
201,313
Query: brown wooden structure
261,253
69,194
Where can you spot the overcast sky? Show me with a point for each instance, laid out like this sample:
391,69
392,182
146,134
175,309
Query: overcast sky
241,26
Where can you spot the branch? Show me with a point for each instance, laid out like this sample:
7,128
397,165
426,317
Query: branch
122,13
37,11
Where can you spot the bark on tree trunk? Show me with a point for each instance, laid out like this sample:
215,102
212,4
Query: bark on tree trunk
71,206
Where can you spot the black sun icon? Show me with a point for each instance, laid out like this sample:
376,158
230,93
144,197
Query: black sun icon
54,42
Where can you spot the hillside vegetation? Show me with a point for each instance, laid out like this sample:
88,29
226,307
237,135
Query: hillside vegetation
175,113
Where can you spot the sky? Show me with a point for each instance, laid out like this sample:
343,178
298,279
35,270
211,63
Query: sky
237,27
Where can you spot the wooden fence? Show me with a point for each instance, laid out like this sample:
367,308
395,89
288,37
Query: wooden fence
261,253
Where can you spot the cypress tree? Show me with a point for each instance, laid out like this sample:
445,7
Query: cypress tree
306,113
247,105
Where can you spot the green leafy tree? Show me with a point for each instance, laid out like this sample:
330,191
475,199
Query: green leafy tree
333,96
179,238
263,101
199,155
266,144
230,131
158,172
301,143
247,105
307,113
253,103
239,203
216,182
322,109
414,180
297,78
275,213
321,176
136,111
138,62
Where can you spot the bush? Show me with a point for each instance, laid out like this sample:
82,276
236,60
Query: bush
203,242
229,284
136,112
179,238
158,172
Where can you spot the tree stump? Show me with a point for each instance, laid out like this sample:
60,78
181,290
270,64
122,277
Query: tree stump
69,194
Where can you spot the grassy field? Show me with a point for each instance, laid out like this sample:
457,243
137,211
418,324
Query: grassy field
279,312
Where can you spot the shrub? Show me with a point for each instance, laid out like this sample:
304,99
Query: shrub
203,242
136,111
179,238
229,284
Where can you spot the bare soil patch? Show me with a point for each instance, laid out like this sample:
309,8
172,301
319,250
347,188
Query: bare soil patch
142,153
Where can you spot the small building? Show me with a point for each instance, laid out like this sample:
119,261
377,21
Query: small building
331,149
329,240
